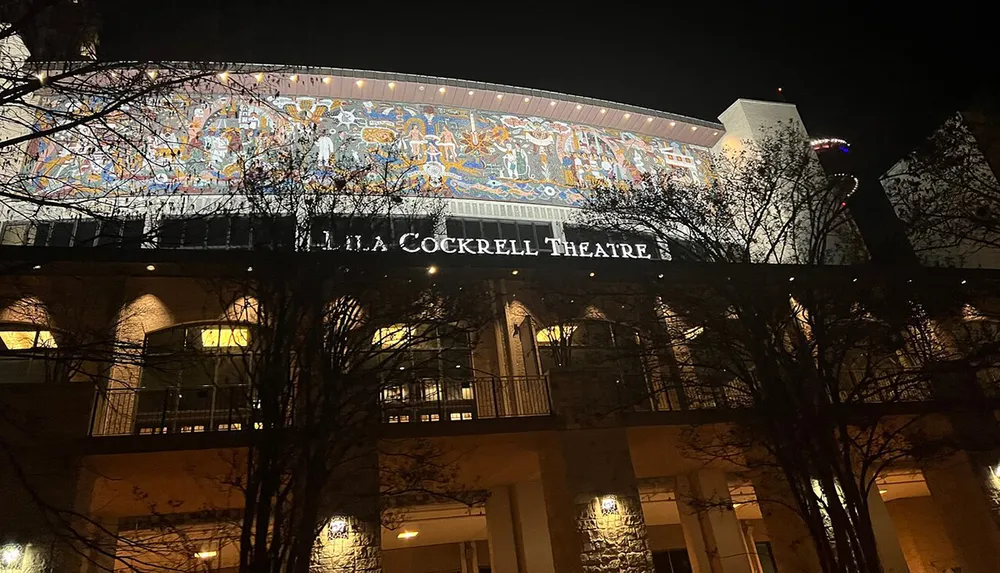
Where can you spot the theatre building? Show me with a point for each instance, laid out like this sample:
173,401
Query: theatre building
545,485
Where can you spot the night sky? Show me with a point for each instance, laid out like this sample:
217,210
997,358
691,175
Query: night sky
881,78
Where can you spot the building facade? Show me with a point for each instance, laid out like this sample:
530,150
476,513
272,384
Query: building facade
553,479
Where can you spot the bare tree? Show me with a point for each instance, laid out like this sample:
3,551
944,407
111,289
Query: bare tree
826,374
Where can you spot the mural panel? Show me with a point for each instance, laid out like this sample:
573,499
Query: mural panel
200,140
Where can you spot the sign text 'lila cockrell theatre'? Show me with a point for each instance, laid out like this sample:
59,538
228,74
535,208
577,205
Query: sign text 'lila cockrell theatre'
415,243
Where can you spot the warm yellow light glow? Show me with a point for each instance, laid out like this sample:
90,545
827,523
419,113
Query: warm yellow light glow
554,334
294,77
649,119
152,74
694,128
432,270
883,491
604,110
673,123
471,92
151,268
499,96
27,339
392,85
327,80
390,336
442,90
360,83
578,106
206,554
259,77
407,534
224,337
693,332
527,99
224,76
10,555
628,115
609,505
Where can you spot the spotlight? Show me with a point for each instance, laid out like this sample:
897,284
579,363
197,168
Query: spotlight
150,268
407,534
338,528
432,270
206,554
514,272
10,555
609,506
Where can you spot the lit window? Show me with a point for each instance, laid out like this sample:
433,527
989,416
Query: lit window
391,336
224,337
555,334
27,339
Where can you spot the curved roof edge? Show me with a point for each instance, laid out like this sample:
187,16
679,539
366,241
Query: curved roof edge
432,90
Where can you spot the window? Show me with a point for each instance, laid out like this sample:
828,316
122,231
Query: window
27,355
766,557
590,235
333,232
431,372
194,378
76,233
672,561
491,229
613,349
225,233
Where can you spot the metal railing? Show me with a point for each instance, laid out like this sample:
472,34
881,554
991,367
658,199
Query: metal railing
146,411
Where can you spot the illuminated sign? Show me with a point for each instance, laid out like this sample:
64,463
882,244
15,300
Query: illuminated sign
415,243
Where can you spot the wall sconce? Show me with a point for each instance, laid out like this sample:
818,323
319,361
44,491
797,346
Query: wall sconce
609,505
10,556
338,528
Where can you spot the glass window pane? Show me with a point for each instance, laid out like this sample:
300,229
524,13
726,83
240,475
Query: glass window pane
170,232
473,229
86,232
455,228
239,232
132,233
218,232
194,232
42,231
508,231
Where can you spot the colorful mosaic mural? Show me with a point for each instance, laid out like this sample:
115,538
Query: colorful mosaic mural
468,153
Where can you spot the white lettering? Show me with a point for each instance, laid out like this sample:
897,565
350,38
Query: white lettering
599,251
626,250
641,250
327,240
513,248
554,243
429,245
444,245
614,251
570,248
584,250
464,247
484,247
379,244
528,251
499,245
405,238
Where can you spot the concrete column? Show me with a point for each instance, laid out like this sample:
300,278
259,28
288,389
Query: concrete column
964,493
792,545
102,546
500,531
531,528
890,552
592,502
469,555
713,533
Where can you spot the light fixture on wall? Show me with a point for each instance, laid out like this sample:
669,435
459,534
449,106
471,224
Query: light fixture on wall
206,554
10,556
150,268
407,534
996,471
337,528
609,505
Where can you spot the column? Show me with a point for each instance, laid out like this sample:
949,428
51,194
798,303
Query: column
890,553
792,545
500,531
964,493
531,528
592,502
351,541
712,532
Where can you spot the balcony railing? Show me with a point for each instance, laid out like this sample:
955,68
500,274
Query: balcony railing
145,411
